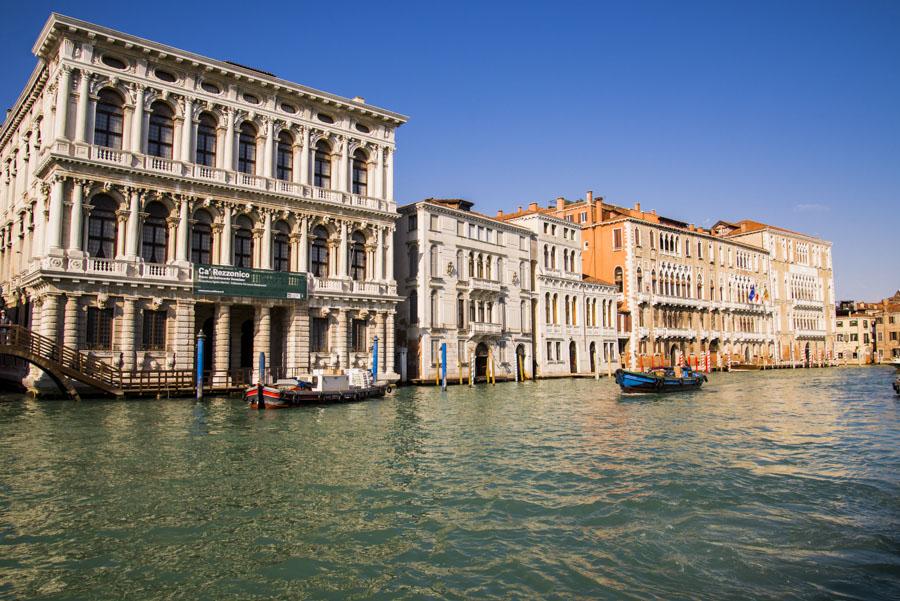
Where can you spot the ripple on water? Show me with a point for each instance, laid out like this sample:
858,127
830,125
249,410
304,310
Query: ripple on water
768,485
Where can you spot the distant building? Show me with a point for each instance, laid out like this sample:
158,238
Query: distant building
682,291
576,314
466,281
853,343
802,284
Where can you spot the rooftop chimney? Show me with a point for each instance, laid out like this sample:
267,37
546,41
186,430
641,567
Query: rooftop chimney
560,203
637,206
533,206
520,208
499,213
589,197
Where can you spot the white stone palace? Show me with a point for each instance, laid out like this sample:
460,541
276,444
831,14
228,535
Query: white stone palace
127,163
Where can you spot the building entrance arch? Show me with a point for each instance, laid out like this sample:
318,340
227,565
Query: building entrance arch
520,362
481,360
592,352
573,358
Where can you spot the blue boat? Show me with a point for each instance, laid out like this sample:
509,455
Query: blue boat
659,380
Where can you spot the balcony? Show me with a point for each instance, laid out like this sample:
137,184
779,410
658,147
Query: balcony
485,329
347,286
814,305
483,285
809,334
232,179
77,267
674,333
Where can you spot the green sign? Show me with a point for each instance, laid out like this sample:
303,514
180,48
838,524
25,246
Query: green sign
223,280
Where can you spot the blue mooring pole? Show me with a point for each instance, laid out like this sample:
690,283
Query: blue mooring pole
444,366
201,338
375,360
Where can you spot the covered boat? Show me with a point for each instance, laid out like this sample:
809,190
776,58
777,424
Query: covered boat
659,380
318,389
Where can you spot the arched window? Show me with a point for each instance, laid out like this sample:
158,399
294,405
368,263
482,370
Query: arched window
284,165
568,312
360,173
574,312
243,242
281,247
618,279
101,241
552,257
108,120
653,281
433,309
247,149
487,267
460,312
566,260
555,309
322,165
318,255
546,257
201,238
433,261
357,256
640,280
471,272
161,135
499,270
155,234
548,318
206,141
480,267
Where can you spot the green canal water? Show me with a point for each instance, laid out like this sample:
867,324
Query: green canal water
775,485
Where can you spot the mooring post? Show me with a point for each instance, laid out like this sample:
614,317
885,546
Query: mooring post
260,399
444,365
375,360
201,338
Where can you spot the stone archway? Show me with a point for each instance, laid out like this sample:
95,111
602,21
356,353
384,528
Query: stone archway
573,358
592,353
481,361
520,362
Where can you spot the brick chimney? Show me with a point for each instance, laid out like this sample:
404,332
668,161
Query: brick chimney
520,208
533,206
499,213
637,207
589,197
560,203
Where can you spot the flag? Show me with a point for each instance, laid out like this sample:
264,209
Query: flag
766,294
752,293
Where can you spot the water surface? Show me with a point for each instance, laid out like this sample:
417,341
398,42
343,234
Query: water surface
766,485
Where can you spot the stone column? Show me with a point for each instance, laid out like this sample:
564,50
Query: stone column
342,347
225,243
304,158
121,221
49,324
70,323
266,242
54,225
134,225
389,252
127,341
228,163
267,152
298,338
181,248
262,324
221,344
81,118
62,101
389,176
137,120
302,256
390,369
185,343
379,256
379,174
76,218
187,130
297,161
342,259
343,179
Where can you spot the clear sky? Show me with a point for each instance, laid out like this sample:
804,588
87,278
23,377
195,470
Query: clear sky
784,112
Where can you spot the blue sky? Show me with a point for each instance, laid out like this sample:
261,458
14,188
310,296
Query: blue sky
784,112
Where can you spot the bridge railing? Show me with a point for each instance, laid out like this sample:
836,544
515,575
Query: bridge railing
36,344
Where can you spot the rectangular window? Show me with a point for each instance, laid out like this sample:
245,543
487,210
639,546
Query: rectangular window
549,351
893,336
318,335
153,337
637,236
699,250
460,229
840,324
854,338
358,336
853,323
558,349
617,239
472,231
412,222
583,216
434,223
98,335
890,319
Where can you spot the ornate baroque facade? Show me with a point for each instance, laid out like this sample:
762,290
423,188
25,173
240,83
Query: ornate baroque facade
127,163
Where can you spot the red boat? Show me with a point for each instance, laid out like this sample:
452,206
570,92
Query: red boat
322,389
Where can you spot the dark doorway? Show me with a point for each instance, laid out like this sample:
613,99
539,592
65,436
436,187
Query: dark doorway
807,355
573,358
673,355
481,361
593,356
246,354
520,362
277,344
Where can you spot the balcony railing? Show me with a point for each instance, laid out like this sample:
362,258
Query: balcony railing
220,176
483,328
481,284
347,286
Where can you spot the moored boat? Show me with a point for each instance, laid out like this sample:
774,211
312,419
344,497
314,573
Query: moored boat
659,380
321,388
